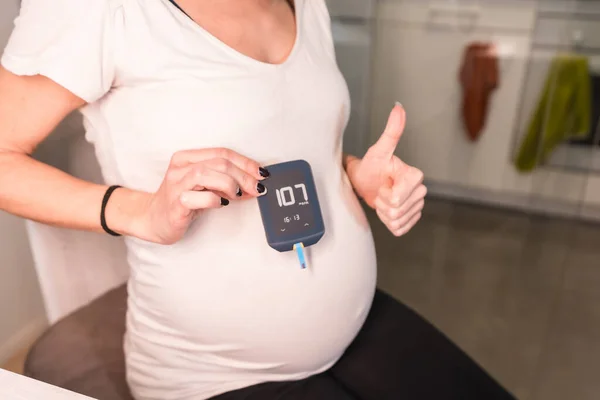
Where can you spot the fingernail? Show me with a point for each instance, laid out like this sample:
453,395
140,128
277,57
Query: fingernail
224,201
399,104
260,188
263,172
239,192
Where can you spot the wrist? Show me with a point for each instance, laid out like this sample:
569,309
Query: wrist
125,212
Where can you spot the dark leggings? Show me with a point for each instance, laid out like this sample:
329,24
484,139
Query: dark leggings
396,356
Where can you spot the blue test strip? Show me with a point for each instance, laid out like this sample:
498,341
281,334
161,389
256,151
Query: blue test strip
299,247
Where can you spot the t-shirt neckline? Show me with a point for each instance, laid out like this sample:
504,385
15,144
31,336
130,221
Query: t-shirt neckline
298,15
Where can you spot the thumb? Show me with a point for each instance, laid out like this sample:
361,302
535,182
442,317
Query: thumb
387,143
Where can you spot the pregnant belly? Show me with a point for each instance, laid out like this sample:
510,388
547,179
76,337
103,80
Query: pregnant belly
225,299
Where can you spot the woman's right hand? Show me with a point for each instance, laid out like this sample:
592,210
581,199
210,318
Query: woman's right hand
32,106
197,180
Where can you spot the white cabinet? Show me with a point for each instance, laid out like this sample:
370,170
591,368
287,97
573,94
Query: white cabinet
352,29
353,42
418,54
356,9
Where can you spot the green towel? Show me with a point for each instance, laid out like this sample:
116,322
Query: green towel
563,111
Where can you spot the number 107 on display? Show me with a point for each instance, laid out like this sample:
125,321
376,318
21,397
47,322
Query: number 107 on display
285,195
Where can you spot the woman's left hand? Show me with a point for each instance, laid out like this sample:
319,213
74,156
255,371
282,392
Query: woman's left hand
388,185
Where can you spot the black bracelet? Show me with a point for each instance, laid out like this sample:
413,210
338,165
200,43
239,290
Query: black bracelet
109,191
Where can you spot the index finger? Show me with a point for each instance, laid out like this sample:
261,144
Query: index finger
186,157
407,181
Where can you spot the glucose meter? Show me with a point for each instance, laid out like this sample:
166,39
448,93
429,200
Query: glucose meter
290,209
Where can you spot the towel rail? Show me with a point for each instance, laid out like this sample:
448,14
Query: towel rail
570,15
585,50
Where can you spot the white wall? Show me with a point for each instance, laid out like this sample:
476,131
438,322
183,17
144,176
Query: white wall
8,11
22,314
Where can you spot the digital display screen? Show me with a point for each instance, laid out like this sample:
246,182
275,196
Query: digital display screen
289,202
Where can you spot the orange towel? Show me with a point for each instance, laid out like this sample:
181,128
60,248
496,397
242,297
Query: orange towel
479,77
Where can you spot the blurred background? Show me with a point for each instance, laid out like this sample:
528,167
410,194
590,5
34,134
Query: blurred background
503,107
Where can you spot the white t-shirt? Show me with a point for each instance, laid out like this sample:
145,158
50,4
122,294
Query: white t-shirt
220,309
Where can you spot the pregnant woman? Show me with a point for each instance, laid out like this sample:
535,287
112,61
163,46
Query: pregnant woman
186,103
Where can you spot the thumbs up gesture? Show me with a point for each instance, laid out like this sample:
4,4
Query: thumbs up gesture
388,185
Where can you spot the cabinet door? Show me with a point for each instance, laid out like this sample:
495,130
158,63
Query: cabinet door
555,180
570,176
353,41
358,9
418,64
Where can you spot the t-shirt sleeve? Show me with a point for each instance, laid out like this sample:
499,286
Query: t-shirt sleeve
69,41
